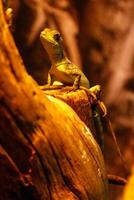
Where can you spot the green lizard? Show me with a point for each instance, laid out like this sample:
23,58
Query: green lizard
64,73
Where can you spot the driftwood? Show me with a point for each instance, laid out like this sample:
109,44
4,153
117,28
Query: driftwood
46,151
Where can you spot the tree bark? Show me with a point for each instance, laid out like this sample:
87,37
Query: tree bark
46,151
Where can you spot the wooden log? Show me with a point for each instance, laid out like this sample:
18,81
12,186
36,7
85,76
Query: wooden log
78,100
46,150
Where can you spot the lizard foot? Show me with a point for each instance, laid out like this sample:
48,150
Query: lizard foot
95,91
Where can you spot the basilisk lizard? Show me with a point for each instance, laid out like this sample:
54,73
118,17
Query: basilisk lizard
64,73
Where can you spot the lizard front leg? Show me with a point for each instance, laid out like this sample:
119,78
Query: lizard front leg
76,83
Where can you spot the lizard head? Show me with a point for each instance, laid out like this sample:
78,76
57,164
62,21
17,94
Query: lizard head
52,42
50,37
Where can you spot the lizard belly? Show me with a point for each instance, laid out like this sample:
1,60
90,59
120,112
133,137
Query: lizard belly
61,76
67,74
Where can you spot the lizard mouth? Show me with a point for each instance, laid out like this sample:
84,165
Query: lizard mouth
45,38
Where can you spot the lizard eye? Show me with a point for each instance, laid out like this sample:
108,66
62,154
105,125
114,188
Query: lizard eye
57,37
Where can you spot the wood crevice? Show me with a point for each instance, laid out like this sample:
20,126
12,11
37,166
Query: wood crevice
68,185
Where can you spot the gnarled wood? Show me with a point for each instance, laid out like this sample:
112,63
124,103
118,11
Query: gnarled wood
78,100
48,151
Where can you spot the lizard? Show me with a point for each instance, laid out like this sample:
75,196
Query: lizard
62,71
65,73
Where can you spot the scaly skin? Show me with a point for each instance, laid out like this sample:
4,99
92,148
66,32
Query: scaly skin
62,71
